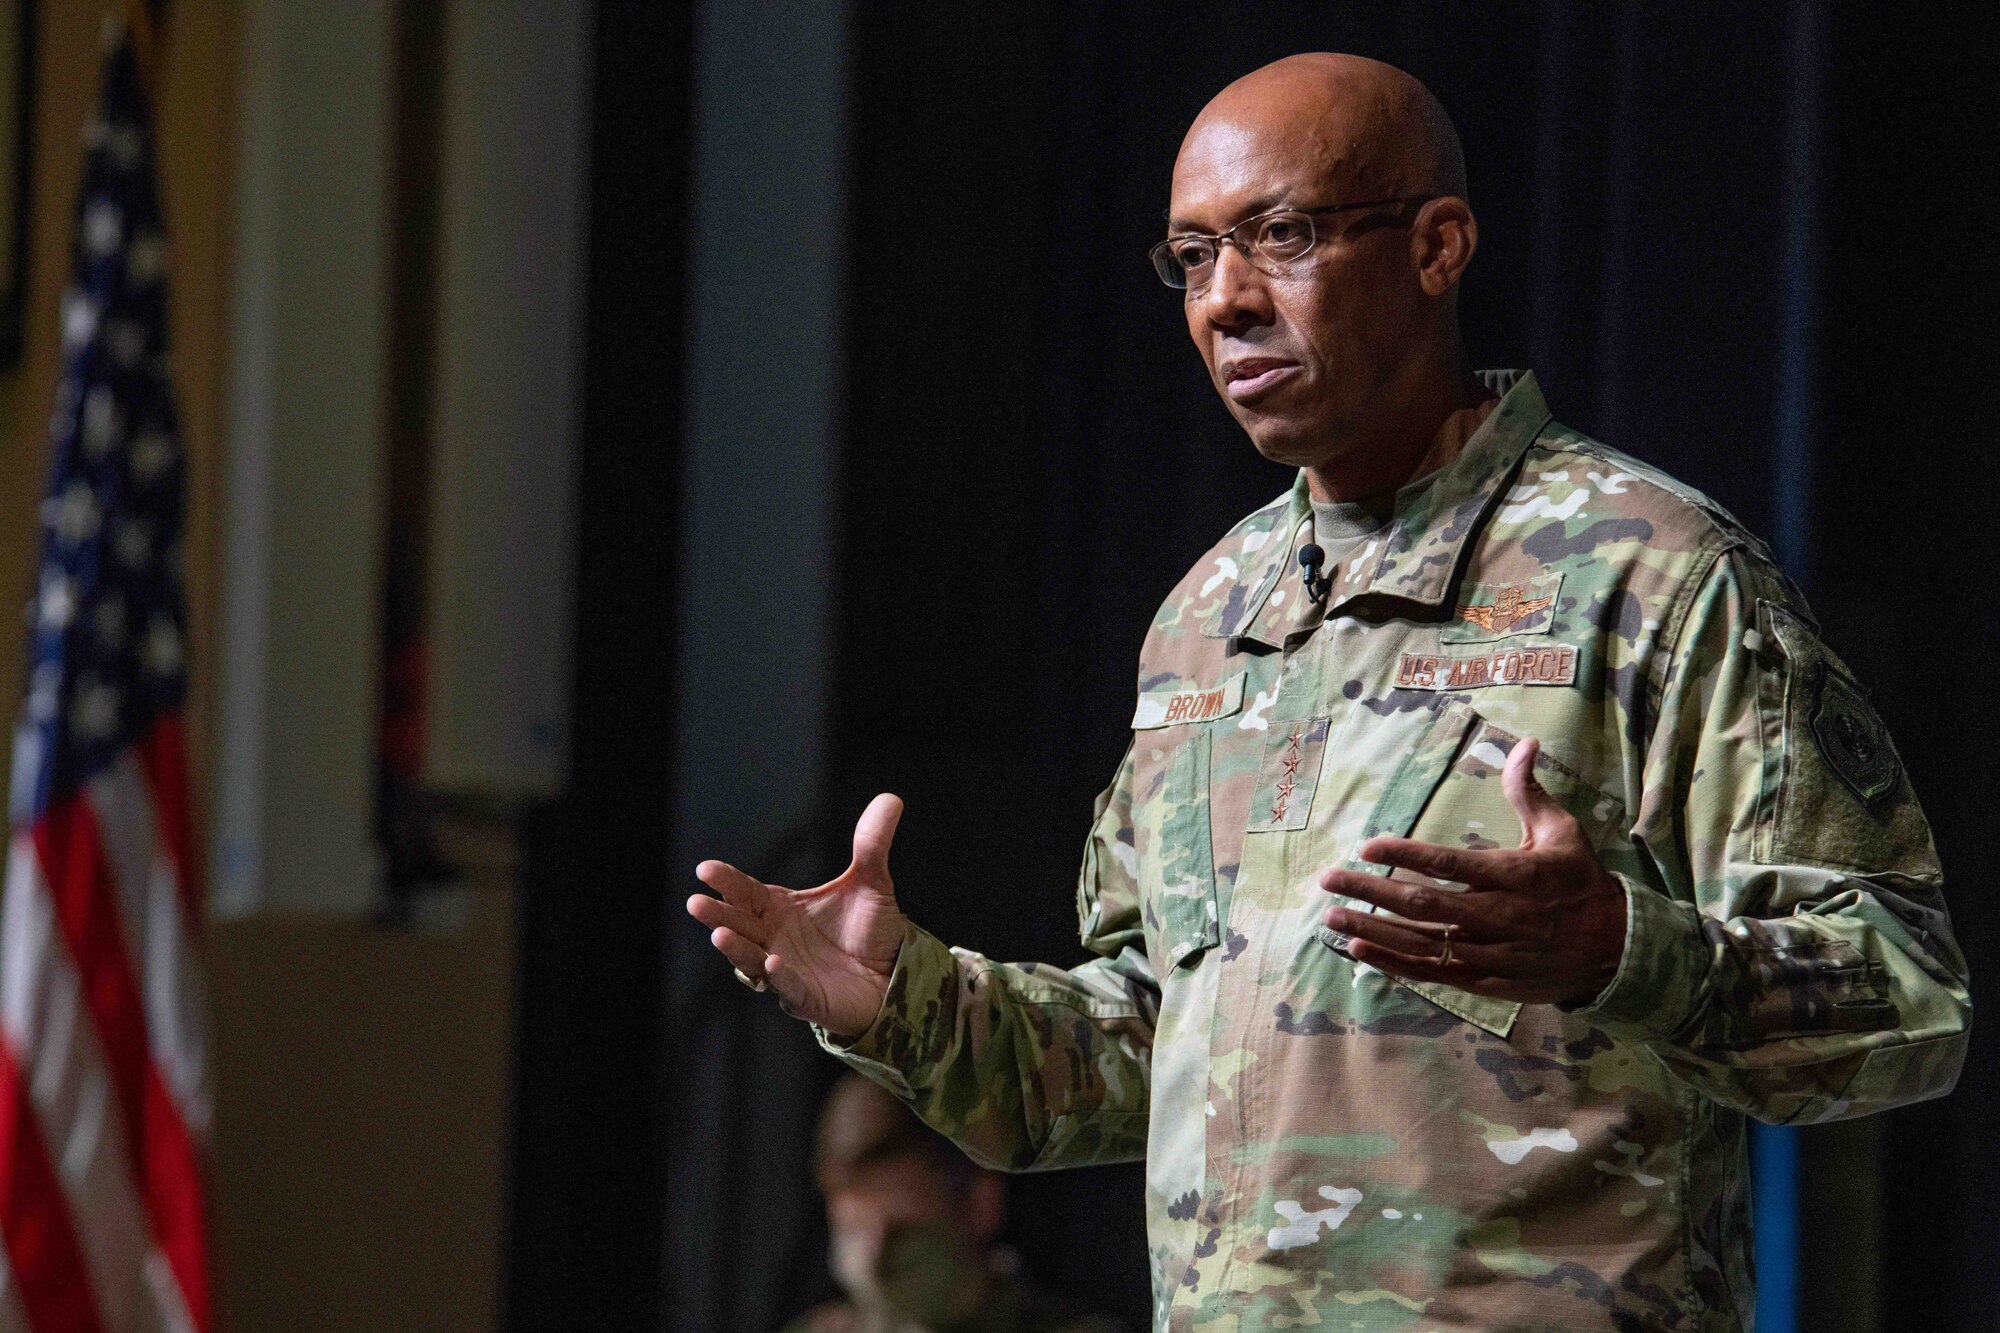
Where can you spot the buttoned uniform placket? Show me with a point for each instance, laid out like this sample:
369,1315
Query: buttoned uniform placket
1388,583
1272,859
1234,1029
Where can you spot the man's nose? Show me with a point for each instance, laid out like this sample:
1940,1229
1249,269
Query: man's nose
1238,296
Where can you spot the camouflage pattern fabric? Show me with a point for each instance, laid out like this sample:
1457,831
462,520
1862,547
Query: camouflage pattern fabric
1328,1147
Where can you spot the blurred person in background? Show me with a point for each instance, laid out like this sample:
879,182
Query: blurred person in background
914,1224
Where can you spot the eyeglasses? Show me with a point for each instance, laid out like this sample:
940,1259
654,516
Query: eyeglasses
1279,238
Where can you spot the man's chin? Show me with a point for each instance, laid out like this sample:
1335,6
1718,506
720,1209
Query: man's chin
1293,448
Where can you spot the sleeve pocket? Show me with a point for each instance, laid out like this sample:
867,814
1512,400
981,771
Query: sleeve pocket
1180,912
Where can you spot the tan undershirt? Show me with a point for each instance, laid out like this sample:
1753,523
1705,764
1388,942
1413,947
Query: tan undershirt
1340,527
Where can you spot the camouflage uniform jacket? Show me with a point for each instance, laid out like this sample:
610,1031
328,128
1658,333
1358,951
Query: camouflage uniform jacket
1326,1146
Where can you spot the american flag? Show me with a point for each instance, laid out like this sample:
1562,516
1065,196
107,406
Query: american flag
104,1105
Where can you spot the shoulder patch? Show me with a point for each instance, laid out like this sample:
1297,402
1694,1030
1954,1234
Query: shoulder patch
1852,738
1843,799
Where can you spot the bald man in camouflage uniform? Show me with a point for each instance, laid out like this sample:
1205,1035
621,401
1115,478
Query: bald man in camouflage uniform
1468,883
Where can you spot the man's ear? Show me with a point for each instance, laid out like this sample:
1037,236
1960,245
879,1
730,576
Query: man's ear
985,1206
1442,240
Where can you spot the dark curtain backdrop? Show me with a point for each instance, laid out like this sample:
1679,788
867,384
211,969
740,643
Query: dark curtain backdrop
1672,199
1904,531
586,1219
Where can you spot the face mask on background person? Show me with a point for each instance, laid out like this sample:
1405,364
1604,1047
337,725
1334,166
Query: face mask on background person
920,1277
930,1275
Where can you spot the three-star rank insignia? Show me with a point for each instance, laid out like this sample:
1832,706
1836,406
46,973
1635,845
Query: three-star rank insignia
1852,738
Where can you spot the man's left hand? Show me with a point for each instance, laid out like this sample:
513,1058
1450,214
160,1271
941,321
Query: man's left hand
1540,924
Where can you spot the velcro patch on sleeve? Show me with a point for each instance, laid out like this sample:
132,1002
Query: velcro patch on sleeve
1172,708
1843,799
1554,665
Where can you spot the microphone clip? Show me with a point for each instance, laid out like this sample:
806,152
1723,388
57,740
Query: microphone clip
1311,557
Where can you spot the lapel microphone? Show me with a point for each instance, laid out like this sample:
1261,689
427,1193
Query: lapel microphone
1310,559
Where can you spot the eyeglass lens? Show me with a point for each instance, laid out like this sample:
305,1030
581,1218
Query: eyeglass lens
1189,261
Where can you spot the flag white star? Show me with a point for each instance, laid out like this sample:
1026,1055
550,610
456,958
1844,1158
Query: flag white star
110,621
103,228
127,340
94,713
124,144
162,650
101,423
146,258
62,419
58,600
134,542
74,517
43,689
79,319
151,453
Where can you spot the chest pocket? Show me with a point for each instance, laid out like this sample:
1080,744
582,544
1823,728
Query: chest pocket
1448,792
1177,859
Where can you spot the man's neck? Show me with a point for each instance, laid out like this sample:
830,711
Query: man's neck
1424,437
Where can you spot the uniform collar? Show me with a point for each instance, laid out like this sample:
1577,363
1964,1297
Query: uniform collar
1418,560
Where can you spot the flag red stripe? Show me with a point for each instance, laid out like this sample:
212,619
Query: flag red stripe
71,851
73,865
41,1244
174,1196
162,754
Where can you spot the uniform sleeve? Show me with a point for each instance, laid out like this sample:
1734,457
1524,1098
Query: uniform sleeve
1025,1066
1788,951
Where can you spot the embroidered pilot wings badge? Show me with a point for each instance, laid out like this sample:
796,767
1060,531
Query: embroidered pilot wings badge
1491,614
1512,605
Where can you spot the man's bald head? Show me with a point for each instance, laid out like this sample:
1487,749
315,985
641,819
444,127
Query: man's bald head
1373,131
1342,355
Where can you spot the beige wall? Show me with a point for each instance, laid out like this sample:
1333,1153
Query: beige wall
361,1075
361,1099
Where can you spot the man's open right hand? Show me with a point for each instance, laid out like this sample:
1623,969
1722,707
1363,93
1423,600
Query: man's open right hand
828,951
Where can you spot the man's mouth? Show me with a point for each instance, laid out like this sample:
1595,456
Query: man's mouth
1246,379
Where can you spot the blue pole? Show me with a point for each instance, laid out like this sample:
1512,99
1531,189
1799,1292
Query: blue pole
1774,1150
1774,1210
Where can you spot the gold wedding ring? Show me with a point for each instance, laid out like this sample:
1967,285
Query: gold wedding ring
760,985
